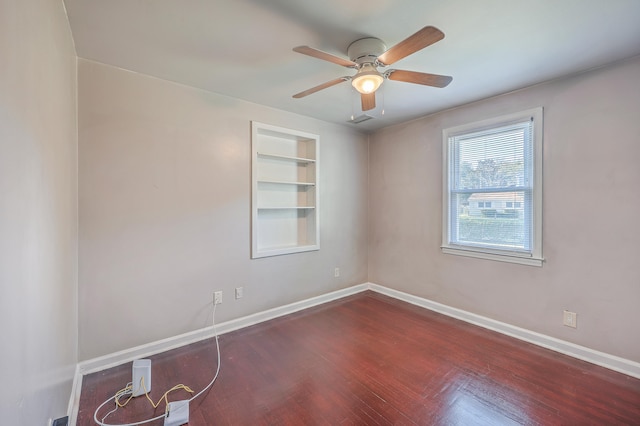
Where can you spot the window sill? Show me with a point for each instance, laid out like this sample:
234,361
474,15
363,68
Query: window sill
499,257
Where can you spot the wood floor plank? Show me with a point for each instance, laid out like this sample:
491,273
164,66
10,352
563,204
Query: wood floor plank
369,359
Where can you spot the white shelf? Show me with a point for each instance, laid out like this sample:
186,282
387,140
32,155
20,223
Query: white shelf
284,208
279,250
285,158
280,182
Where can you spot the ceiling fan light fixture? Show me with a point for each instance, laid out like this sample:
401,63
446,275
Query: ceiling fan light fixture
369,53
367,80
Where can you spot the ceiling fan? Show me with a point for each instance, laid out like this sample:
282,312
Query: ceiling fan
367,54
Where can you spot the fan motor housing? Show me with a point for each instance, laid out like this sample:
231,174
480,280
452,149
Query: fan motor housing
366,50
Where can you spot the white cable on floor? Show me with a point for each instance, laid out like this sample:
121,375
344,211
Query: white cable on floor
215,333
118,395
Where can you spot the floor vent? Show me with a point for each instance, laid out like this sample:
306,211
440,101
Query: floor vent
360,119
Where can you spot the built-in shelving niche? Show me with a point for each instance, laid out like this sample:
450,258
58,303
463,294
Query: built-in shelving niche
284,207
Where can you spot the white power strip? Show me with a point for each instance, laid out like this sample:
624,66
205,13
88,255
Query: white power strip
141,370
177,413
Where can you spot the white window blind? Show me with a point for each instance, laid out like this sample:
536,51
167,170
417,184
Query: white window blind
491,194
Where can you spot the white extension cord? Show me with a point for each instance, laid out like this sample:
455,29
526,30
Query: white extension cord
176,412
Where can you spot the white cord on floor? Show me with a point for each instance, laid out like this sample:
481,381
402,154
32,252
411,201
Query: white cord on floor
117,396
215,333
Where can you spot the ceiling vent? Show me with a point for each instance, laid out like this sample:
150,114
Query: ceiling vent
359,119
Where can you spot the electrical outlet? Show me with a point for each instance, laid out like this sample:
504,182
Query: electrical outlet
570,319
217,297
239,292
336,272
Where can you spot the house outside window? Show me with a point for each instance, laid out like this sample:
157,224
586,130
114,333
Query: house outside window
495,204
492,206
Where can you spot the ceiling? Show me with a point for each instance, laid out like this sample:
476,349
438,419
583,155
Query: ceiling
242,48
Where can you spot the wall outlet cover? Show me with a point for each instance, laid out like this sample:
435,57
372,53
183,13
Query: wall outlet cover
570,319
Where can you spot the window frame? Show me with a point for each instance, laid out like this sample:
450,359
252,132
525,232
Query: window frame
532,258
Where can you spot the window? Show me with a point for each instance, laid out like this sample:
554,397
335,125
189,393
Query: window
495,165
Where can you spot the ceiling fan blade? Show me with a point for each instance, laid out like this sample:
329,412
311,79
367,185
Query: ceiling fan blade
423,38
368,101
434,80
321,86
310,51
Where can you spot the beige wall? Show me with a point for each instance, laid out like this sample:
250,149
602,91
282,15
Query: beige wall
591,209
38,211
165,210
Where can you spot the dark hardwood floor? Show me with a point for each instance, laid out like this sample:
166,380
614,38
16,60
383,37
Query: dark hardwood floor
371,360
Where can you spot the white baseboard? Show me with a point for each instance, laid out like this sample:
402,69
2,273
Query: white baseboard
612,362
148,349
